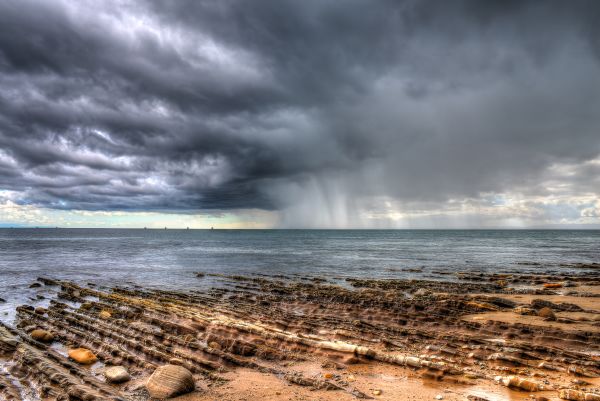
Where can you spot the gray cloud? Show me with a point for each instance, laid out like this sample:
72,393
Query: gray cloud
293,106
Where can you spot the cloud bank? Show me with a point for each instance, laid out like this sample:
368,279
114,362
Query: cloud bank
317,113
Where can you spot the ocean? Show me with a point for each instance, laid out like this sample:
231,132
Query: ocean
170,258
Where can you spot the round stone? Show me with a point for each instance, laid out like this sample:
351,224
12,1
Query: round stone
116,374
170,380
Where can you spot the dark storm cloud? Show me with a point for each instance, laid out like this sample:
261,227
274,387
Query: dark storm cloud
197,105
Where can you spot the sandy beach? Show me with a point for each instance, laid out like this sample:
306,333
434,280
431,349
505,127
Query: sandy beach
478,337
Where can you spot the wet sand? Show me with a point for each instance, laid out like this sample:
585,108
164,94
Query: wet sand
492,337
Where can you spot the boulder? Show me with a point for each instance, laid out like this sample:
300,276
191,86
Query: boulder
547,313
83,356
169,381
105,314
42,335
116,374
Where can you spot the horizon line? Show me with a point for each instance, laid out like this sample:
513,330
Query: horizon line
578,228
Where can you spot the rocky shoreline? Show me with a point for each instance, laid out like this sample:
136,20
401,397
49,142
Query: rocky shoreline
478,337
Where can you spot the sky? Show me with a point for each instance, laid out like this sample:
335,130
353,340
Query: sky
300,114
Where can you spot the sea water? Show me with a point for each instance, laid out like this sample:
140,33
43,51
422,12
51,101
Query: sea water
170,258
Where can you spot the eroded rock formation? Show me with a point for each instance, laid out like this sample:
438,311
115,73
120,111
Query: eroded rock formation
460,333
